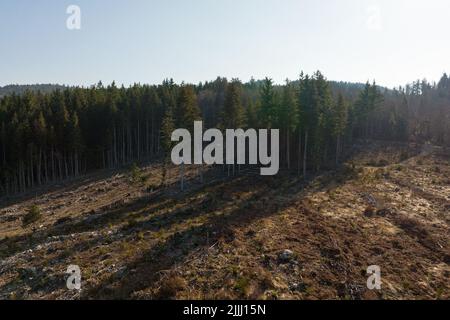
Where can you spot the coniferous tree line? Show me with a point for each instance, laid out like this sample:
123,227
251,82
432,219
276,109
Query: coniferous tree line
19,89
52,136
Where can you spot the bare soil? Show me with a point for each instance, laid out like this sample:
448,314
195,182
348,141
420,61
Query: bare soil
224,238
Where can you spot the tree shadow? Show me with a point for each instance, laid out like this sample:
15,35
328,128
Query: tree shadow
177,248
116,213
63,186
157,214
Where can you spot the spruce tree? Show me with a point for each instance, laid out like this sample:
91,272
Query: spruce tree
232,116
187,113
268,108
340,119
289,116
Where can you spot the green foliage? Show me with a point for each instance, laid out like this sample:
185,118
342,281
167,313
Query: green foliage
289,111
33,215
167,127
55,135
242,285
251,116
268,109
340,116
187,110
233,113
136,174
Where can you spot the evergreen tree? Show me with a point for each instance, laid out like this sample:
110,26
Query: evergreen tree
56,135
186,114
233,113
187,111
340,120
268,108
289,116
167,127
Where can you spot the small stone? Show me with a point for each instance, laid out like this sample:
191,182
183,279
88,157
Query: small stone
286,255
300,287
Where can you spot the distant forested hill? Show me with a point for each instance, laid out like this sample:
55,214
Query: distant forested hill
19,89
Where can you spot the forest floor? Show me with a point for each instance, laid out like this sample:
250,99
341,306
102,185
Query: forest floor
239,238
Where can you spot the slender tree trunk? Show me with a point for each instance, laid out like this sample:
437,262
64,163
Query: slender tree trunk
139,140
66,167
288,151
31,167
299,160
53,164
60,167
39,167
158,142
337,150
23,180
115,147
123,146
152,146
147,138
4,155
305,154
77,170
130,146
45,167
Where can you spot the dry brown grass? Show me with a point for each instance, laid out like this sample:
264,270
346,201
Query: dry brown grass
223,240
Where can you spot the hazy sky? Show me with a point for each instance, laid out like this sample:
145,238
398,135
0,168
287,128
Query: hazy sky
392,41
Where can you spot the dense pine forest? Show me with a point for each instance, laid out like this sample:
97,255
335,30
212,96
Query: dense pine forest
52,136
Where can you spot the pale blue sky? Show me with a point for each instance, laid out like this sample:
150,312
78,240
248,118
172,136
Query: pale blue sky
392,41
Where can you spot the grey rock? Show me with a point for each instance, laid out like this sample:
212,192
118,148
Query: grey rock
286,255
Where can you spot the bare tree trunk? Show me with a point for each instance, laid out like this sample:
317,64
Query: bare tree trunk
147,138
158,142
53,164
152,146
39,167
45,167
337,150
130,147
139,140
66,167
123,146
305,154
288,151
31,167
115,147
77,170
60,167
299,151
